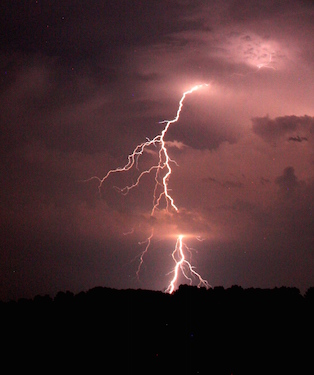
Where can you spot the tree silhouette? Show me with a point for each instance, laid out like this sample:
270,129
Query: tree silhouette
194,330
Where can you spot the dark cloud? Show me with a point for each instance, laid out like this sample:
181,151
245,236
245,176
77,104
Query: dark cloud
273,129
288,182
297,139
203,135
71,110
292,212
287,179
74,28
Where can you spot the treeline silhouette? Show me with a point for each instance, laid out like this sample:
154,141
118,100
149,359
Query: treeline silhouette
192,331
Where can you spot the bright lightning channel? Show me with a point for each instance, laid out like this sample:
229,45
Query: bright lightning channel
161,193
266,65
182,264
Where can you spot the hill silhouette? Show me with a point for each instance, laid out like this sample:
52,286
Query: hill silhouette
192,331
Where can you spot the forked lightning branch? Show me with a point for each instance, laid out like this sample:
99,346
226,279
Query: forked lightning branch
161,194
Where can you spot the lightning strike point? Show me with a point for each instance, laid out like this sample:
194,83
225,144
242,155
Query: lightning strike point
183,265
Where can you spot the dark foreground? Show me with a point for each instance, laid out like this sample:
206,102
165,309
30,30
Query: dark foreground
193,331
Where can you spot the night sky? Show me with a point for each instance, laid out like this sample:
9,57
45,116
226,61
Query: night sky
82,83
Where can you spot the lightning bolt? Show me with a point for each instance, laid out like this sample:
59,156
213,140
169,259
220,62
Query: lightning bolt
161,192
266,65
182,264
147,242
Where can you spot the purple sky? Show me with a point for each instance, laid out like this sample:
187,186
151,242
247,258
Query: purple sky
82,84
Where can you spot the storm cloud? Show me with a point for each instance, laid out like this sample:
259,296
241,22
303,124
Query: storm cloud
82,84
273,129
